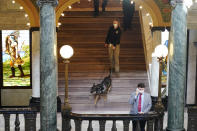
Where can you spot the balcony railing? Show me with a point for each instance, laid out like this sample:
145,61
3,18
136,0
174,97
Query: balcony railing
29,116
154,121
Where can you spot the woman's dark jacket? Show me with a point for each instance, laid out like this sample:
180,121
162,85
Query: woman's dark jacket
113,36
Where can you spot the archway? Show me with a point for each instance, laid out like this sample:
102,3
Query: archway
32,12
149,5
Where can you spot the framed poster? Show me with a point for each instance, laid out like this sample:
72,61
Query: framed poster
15,59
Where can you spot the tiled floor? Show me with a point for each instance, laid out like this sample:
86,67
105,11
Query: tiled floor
84,123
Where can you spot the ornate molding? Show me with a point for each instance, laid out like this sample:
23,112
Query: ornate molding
52,2
175,2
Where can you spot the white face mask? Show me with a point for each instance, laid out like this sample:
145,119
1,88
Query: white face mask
141,91
115,25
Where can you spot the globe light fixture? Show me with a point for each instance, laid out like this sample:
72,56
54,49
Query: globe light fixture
161,51
66,52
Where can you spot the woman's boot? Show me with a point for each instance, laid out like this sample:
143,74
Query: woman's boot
21,70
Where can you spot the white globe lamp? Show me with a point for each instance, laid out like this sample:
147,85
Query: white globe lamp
161,51
66,51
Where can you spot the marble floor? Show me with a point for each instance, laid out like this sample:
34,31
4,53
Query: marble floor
84,123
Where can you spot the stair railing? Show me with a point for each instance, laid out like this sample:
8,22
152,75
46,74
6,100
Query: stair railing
154,121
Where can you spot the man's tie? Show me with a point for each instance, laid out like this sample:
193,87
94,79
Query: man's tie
140,103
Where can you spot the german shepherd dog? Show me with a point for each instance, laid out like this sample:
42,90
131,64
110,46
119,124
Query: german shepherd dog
103,87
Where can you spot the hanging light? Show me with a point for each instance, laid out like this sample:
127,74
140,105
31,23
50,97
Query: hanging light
21,7
13,2
140,7
70,7
62,14
26,15
28,24
147,14
59,24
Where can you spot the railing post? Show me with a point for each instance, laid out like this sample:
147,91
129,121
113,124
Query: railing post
114,126
102,125
126,125
66,126
138,128
78,125
159,123
17,123
90,126
156,128
30,121
150,125
192,118
7,121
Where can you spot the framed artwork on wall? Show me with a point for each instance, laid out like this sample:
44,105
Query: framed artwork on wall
15,59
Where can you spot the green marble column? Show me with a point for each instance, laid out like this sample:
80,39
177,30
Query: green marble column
48,65
177,67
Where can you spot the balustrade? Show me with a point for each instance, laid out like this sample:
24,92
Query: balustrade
154,121
29,116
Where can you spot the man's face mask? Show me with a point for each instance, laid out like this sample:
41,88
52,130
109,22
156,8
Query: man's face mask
141,90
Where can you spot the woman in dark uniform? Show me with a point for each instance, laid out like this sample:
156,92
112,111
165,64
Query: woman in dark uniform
113,44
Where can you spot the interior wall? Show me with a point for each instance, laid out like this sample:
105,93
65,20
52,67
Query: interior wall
11,16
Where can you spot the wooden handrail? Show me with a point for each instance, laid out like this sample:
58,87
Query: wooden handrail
147,116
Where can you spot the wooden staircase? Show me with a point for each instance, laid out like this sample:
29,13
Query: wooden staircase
90,63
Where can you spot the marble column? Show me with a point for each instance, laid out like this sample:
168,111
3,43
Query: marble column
48,65
177,67
191,74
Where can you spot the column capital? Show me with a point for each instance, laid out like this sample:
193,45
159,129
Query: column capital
42,2
175,2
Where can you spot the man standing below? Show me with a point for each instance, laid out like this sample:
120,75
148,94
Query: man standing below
113,43
140,103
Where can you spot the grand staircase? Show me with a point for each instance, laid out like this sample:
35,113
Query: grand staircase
90,63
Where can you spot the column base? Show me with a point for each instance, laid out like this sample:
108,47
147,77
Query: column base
35,103
164,101
167,129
